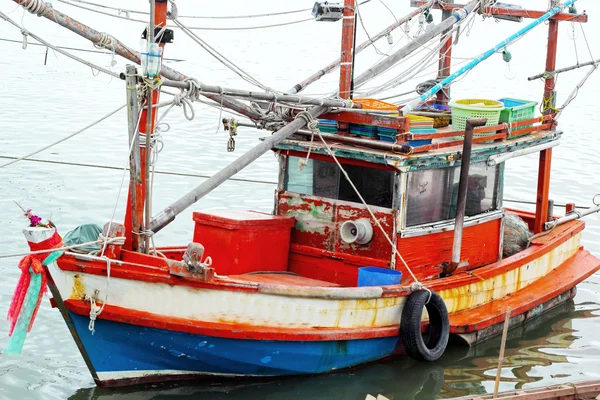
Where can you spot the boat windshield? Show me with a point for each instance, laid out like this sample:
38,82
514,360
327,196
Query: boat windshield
432,193
323,179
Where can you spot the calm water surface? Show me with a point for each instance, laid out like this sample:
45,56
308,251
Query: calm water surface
42,103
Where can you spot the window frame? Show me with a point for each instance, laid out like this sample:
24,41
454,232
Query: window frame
284,178
448,224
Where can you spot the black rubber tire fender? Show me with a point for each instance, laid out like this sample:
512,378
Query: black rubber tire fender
410,326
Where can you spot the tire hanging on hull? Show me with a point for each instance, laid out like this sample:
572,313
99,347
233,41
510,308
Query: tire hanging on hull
439,326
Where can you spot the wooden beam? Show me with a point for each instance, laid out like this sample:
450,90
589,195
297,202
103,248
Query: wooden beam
346,84
543,190
506,11
445,62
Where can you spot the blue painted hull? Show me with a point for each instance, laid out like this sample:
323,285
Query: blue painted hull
119,351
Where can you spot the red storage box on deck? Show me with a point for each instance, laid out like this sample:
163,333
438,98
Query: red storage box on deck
244,241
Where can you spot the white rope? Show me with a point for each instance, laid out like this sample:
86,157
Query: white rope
221,58
205,28
95,311
119,241
65,138
122,182
312,125
169,173
38,7
124,10
26,33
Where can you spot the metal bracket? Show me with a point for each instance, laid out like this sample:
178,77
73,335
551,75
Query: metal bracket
166,37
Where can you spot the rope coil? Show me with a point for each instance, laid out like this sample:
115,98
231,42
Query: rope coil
38,7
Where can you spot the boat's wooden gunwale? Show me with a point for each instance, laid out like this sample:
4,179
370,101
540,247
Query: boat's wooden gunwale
578,267
128,270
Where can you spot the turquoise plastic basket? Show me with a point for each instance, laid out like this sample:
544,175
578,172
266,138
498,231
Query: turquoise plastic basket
517,110
462,110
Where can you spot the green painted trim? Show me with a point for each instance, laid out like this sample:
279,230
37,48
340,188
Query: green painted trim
415,162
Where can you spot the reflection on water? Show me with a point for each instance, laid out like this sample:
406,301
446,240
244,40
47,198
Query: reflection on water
461,371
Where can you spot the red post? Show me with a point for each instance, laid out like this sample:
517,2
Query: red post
347,57
543,186
549,99
131,240
445,62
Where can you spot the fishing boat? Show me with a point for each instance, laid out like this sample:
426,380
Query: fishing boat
375,248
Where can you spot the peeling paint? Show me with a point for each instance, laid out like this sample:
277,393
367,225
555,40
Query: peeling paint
78,289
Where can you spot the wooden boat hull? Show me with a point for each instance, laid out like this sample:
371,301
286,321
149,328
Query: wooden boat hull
122,353
156,326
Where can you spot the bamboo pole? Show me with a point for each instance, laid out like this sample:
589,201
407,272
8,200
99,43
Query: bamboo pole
333,65
303,100
169,213
558,71
502,348
415,44
121,49
132,221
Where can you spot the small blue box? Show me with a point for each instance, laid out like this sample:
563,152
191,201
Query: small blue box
376,276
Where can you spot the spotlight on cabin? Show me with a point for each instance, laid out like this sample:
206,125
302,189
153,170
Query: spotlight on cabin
325,11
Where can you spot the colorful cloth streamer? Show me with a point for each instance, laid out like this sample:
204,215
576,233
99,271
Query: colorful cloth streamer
25,302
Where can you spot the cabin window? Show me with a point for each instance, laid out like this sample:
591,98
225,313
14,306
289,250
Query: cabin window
324,179
432,193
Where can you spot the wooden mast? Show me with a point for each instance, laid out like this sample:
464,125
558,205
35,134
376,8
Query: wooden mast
347,57
445,60
146,127
545,161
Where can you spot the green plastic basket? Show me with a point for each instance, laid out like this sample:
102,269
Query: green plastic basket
462,110
516,110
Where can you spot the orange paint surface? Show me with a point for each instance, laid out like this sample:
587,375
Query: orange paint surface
480,246
576,269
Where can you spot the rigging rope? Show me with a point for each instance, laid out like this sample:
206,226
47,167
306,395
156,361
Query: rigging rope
124,10
206,28
110,167
220,57
56,48
65,138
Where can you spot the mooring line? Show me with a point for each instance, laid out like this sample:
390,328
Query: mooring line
185,174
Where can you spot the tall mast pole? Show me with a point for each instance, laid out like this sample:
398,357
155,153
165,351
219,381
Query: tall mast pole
445,60
347,57
142,210
545,161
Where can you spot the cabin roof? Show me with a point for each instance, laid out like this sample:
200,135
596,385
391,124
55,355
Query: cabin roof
441,157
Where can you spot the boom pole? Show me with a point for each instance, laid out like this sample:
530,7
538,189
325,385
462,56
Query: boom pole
333,65
457,16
